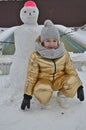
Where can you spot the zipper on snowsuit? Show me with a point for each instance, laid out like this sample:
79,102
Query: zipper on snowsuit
54,69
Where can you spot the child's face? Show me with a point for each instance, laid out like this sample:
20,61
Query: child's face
51,43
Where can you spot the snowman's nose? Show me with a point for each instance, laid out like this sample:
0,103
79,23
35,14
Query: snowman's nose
29,13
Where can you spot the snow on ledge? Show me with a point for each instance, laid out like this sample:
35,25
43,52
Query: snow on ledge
78,56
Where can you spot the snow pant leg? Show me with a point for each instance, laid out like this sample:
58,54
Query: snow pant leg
43,91
68,85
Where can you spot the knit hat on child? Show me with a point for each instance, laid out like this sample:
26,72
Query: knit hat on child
49,31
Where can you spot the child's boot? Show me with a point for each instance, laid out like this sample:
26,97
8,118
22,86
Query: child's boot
63,100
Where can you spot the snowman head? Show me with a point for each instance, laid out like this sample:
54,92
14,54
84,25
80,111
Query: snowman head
29,13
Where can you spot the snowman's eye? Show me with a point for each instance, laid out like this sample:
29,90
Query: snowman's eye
25,11
34,11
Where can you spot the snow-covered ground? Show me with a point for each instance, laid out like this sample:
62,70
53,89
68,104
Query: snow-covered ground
49,117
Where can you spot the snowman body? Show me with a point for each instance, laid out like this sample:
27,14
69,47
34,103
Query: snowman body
25,36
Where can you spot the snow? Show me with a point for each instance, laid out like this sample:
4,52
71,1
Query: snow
7,33
78,35
25,37
39,117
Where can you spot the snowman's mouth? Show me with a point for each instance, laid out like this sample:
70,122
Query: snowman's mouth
30,16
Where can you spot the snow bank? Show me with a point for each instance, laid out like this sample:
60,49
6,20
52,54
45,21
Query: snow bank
79,36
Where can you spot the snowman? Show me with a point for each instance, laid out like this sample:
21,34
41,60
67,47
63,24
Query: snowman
25,36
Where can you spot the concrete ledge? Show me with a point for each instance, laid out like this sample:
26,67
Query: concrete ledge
5,64
78,64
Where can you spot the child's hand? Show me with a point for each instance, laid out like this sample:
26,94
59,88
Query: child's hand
26,102
80,93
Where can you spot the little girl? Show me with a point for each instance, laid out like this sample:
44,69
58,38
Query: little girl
51,69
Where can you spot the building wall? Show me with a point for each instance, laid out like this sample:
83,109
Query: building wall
66,12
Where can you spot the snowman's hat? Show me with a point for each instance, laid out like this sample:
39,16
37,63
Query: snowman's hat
30,3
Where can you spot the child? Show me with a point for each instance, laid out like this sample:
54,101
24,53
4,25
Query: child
51,69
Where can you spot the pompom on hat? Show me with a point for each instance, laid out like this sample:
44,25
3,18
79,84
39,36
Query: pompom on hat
49,31
30,3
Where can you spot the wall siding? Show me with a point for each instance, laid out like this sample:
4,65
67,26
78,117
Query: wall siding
66,12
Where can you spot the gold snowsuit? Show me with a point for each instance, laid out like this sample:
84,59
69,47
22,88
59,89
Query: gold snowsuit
45,76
